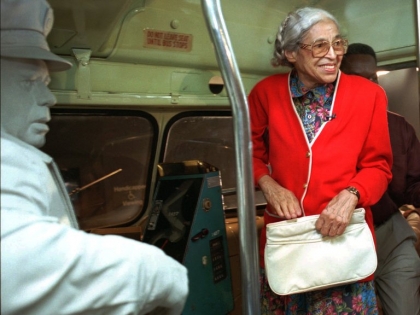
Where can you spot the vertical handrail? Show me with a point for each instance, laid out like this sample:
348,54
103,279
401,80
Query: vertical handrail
243,148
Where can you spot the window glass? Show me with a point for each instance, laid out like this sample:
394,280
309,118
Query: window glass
209,139
104,159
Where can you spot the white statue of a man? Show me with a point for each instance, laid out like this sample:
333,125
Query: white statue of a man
48,266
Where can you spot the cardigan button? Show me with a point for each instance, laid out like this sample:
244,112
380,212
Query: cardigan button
305,185
308,154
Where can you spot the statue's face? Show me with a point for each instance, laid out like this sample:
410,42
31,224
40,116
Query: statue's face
25,99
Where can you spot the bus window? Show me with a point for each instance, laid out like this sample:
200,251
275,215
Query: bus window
104,158
209,138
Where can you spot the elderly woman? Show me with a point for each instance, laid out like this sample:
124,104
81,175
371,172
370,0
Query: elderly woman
320,147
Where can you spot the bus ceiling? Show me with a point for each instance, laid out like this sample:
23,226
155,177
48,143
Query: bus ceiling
174,33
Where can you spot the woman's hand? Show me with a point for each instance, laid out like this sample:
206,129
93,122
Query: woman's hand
283,201
336,216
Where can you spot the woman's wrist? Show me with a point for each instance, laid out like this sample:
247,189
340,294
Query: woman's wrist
354,191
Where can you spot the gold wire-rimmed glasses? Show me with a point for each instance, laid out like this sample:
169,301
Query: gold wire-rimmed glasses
321,47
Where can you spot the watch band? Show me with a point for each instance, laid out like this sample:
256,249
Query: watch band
354,191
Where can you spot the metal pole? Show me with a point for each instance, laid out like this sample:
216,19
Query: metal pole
243,147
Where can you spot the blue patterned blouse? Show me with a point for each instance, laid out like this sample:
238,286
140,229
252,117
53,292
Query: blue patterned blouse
313,106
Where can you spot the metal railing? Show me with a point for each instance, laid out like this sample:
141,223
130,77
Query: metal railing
243,148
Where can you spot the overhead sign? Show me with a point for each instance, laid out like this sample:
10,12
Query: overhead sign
167,40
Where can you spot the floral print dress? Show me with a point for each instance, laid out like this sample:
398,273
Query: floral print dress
313,106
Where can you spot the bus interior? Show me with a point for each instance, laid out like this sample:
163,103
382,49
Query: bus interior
146,116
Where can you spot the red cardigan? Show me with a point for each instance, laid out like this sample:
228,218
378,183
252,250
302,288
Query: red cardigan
353,149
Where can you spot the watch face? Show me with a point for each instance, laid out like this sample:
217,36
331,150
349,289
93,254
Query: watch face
354,191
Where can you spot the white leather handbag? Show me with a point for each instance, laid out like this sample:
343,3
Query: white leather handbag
299,259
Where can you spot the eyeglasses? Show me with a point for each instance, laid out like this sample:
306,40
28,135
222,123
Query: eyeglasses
320,48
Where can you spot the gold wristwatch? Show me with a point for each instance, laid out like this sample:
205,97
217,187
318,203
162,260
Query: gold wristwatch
354,191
